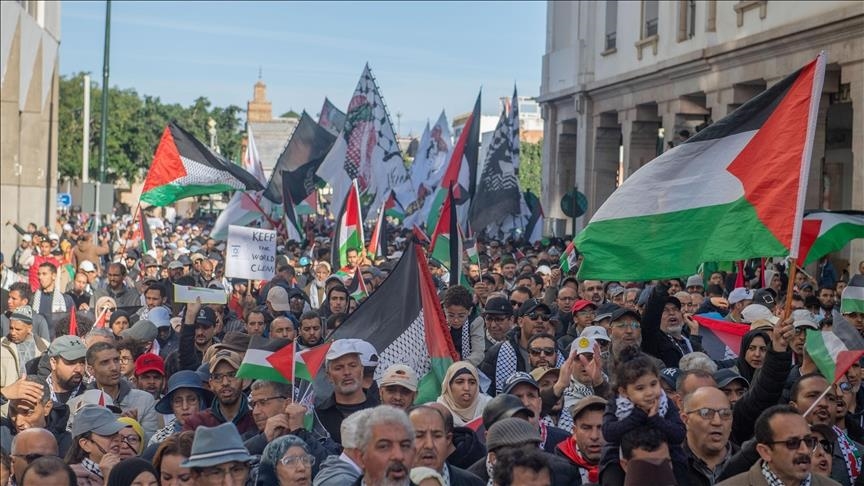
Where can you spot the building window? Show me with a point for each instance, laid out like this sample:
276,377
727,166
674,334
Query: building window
650,12
650,18
744,6
611,25
686,19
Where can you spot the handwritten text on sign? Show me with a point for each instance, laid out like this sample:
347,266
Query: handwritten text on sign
251,253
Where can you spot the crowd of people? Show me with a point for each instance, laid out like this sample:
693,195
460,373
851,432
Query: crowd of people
106,380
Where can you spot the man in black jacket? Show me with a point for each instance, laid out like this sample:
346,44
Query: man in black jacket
433,440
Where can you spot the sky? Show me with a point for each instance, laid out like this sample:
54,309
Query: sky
426,56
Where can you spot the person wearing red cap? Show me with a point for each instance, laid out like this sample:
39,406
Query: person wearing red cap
150,374
582,313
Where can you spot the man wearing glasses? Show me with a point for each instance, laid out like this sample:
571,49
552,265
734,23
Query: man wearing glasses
625,330
511,355
218,457
498,319
29,445
230,404
785,445
708,416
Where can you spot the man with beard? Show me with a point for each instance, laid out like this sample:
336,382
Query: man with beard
316,288
433,442
511,355
150,374
311,330
563,316
784,444
230,404
103,363
542,352
708,416
508,272
66,357
663,329
546,377
523,386
592,291
337,301
806,392
345,372
387,449
398,386
41,414
584,447
196,336
827,299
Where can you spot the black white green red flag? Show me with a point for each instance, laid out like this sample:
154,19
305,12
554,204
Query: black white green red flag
446,240
184,167
734,191
403,320
824,232
348,233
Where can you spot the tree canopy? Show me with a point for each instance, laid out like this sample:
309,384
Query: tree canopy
135,125
530,166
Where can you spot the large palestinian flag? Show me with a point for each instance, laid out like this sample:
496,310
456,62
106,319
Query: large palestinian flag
732,192
824,232
183,167
404,321
834,351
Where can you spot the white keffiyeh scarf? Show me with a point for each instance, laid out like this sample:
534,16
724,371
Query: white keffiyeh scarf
624,407
58,304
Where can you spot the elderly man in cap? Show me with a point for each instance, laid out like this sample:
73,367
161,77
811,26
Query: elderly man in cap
497,320
345,372
96,444
387,446
17,348
66,357
434,440
103,363
510,356
584,447
219,456
398,386
230,403
738,299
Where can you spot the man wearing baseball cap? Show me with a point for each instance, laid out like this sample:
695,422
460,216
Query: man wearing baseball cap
196,336
584,447
230,403
398,386
345,372
523,386
95,444
738,299
66,356
497,320
150,374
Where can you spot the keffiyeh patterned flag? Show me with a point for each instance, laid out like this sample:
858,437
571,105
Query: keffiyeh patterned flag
498,194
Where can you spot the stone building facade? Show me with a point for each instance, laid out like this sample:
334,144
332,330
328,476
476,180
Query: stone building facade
623,81
29,87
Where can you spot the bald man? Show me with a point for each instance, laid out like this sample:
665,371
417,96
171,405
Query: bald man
27,445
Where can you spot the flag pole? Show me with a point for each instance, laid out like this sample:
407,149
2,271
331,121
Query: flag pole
790,286
126,240
816,402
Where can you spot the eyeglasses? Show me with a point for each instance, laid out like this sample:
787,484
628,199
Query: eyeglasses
221,376
215,475
132,441
263,401
708,413
793,443
496,318
29,457
306,460
535,316
515,303
538,351
625,324
845,387
826,445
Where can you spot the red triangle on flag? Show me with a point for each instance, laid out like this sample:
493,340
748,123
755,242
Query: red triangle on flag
73,323
314,358
283,361
167,165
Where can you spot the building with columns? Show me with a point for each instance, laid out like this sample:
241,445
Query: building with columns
623,81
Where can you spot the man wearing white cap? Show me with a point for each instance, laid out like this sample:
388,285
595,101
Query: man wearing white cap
398,386
345,372
738,299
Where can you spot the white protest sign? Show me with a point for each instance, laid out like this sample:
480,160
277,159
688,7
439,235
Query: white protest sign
184,294
251,253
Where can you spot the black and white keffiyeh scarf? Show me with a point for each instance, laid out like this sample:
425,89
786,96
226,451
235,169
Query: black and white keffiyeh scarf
624,407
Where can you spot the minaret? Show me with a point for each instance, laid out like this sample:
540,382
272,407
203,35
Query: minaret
259,109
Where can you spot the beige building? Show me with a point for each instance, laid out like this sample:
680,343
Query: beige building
623,81
271,133
29,85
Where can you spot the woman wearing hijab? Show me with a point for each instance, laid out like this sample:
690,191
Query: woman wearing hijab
286,462
118,322
132,472
754,350
460,393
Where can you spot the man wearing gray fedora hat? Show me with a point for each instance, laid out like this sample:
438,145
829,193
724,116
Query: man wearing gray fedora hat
219,456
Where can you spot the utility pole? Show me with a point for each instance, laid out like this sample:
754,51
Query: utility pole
85,148
103,130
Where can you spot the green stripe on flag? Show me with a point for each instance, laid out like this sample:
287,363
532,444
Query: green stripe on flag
823,348
671,244
256,367
169,193
833,240
429,388
852,300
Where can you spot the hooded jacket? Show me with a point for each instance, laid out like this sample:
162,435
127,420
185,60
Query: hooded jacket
469,448
335,472
744,368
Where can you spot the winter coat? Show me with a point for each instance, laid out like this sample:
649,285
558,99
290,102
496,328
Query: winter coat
335,472
10,365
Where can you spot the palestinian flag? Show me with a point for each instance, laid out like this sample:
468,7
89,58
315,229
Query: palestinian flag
294,365
143,233
357,290
393,209
824,232
378,241
721,339
461,171
292,223
256,364
446,240
184,167
246,208
405,323
568,259
852,299
734,191
835,351
349,228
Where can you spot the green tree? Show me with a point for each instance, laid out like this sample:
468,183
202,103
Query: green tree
531,166
135,126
